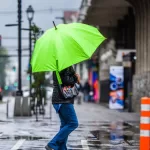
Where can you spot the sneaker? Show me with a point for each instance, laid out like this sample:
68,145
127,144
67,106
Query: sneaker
48,148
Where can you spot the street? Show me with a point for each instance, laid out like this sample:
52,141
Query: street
99,129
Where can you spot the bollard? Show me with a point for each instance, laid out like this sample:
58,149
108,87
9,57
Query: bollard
18,106
145,124
26,108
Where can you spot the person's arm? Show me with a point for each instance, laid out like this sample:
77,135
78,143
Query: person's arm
78,78
68,76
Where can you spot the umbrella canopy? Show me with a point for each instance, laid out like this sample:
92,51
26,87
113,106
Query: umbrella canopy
61,47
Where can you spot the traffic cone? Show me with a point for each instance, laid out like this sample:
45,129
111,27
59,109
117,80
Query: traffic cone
145,124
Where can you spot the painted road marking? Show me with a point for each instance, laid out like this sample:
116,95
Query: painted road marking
85,144
18,144
77,148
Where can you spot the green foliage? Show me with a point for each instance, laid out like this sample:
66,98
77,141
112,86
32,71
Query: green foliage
39,78
36,32
3,62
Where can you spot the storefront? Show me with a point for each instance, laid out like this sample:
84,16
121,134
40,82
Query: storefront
93,79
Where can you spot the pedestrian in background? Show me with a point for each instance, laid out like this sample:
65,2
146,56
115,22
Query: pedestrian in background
64,108
86,91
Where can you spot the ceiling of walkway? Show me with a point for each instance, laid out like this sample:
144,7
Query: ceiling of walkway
106,12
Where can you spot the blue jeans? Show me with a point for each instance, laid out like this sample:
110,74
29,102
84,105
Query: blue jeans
69,122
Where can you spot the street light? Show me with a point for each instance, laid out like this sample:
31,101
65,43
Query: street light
30,15
61,18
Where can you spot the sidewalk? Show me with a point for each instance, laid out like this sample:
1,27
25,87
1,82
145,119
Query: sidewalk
85,112
98,112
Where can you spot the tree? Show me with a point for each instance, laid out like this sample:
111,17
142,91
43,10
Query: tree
3,62
36,32
39,78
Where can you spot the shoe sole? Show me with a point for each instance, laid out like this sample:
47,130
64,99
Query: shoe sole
48,148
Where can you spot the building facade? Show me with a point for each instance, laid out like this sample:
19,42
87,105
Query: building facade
125,23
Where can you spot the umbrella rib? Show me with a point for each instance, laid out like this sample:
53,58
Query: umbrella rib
76,42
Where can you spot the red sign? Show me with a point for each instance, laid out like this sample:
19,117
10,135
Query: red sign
70,16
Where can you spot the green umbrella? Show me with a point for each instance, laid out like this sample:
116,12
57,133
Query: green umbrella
65,45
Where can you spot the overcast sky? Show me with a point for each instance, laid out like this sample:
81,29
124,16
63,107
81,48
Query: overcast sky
43,18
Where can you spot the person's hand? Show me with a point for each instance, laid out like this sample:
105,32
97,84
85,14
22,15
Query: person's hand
78,77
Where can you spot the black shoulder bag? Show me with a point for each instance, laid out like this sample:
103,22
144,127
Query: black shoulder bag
67,91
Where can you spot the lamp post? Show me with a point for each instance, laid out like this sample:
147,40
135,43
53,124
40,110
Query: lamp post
19,92
30,15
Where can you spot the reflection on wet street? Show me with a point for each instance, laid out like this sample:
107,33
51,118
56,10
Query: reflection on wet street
115,136
89,136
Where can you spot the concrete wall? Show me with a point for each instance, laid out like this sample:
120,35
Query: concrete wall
141,81
141,88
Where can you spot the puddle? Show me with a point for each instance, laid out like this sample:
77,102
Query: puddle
116,133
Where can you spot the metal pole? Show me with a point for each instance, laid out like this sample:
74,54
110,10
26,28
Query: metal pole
7,109
30,53
50,109
43,110
19,92
36,111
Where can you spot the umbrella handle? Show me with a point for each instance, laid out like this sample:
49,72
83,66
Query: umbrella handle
58,77
57,74
54,25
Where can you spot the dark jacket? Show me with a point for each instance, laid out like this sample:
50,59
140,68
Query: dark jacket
68,79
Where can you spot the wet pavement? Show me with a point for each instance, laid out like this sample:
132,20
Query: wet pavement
120,132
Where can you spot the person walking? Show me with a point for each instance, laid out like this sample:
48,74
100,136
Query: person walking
64,108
